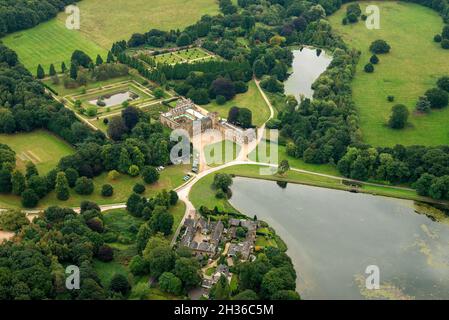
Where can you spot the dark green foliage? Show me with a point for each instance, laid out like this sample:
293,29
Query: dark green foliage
98,60
40,72
423,105
29,198
222,181
169,283
443,83
107,190
173,197
374,59
73,71
379,46
437,97
84,186
139,188
80,58
105,254
423,184
369,68
437,38
445,44
52,71
399,117
150,175
71,175
119,283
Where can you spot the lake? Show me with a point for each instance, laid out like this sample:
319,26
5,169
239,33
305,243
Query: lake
334,235
307,67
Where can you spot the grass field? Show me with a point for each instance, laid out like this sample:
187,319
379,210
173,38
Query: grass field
262,153
252,99
413,66
41,147
107,21
221,152
50,42
103,22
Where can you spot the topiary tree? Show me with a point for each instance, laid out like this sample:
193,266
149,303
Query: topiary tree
119,283
399,116
379,46
437,97
73,71
443,83
139,188
40,72
52,71
352,18
445,44
369,68
71,175
99,60
354,8
18,182
221,100
62,187
423,105
29,198
437,38
445,32
374,59
107,190
84,186
150,174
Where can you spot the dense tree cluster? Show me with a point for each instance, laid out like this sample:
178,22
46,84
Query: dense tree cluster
34,266
26,106
23,14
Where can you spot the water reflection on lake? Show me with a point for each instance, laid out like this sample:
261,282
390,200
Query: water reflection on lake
334,235
308,65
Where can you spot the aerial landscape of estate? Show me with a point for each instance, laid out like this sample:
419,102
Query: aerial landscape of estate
224,150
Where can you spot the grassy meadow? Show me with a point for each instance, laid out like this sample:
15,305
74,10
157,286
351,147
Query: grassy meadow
106,21
413,65
50,42
103,22
41,147
252,99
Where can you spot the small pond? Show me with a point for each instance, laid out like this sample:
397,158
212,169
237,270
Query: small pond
114,99
308,65
334,235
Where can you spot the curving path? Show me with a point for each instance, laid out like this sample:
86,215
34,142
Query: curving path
242,159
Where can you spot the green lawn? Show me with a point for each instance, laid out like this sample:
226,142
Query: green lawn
50,42
413,66
103,22
263,154
252,99
170,178
221,152
107,21
41,147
